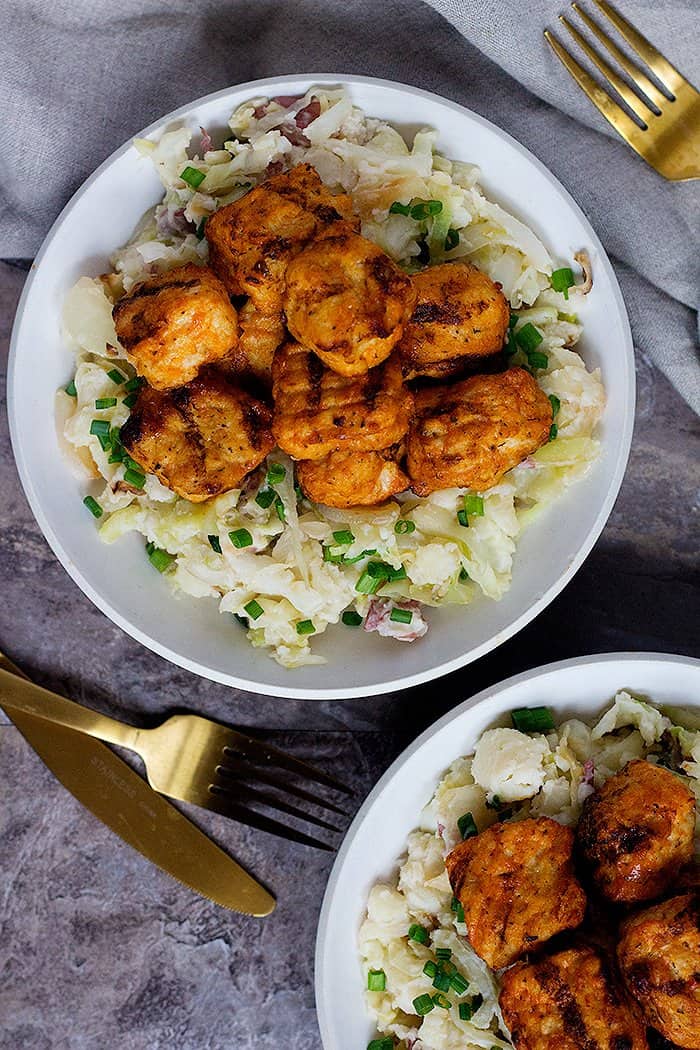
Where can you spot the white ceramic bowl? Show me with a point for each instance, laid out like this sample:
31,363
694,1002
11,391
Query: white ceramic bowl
377,837
192,633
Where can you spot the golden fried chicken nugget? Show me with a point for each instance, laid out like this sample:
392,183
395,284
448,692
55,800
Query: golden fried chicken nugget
200,439
352,479
636,832
659,955
569,1001
260,336
347,301
460,315
174,323
468,434
318,411
252,240
517,886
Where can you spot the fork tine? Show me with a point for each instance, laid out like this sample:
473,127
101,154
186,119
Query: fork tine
667,74
245,793
613,113
266,777
645,85
633,100
252,749
228,807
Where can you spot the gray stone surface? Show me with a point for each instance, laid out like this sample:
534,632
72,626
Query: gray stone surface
100,949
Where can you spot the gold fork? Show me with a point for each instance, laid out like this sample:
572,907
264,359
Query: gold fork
194,759
665,130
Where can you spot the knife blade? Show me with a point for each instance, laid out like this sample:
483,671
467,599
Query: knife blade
118,796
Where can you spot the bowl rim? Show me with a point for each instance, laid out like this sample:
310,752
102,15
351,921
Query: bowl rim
627,410
471,703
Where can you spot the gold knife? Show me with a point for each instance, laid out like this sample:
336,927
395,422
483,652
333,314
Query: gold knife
117,796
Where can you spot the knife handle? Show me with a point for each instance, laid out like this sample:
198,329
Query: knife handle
19,694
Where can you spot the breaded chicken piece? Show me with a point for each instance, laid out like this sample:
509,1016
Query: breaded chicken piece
260,336
347,301
636,832
468,434
659,955
252,240
352,479
318,411
200,439
174,323
460,315
517,886
569,1001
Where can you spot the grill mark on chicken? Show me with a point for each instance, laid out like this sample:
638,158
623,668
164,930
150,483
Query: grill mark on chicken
547,976
255,424
445,312
181,400
315,372
373,387
145,290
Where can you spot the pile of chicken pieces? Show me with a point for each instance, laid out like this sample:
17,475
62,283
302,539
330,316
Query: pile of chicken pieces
518,886
303,334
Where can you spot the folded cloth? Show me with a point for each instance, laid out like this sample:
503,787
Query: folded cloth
79,76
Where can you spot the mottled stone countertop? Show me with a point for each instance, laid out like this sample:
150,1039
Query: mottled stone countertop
98,949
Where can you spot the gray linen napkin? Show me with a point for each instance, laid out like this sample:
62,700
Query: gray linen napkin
79,76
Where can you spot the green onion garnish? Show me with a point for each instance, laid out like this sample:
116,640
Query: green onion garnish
276,473
265,497
105,402
116,376
100,428
418,933
201,226
279,507
358,557
131,400
343,537
381,1044
443,953
215,543
394,574
305,627
423,1004
397,208
132,464
134,384
117,454
462,518
553,431
351,618
423,209
441,981
537,360
562,280
442,1001
93,506
571,318
463,575
458,983
513,320
159,558
254,609
240,538
135,478
430,969
451,240
465,1011
329,556
533,719
467,826
368,583
474,505
193,177
555,403
376,980
528,338
456,906
401,615
404,526
71,390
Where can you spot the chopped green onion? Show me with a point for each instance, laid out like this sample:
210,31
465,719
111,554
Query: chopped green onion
159,558
571,318
448,967
265,497
467,826
401,615
458,983
279,507
562,280
474,505
135,478
456,906
451,240
404,526
423,209
441,981
533,719
418,933
276,473
528,338
495,802
443,953
329,556
240,538
215,543
100,428
306,627
465,1011
117,454
537,360
423,1004
71,390
132,464
397,208
381,1044
513,320
351,618
134,384
442,1001
462,518
358,557
93,506
430,969
201,226
553,431
396,574
376,980
116,376
254,609
463,575
343,537
193,176
131,400
105,402
555,403
369,584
